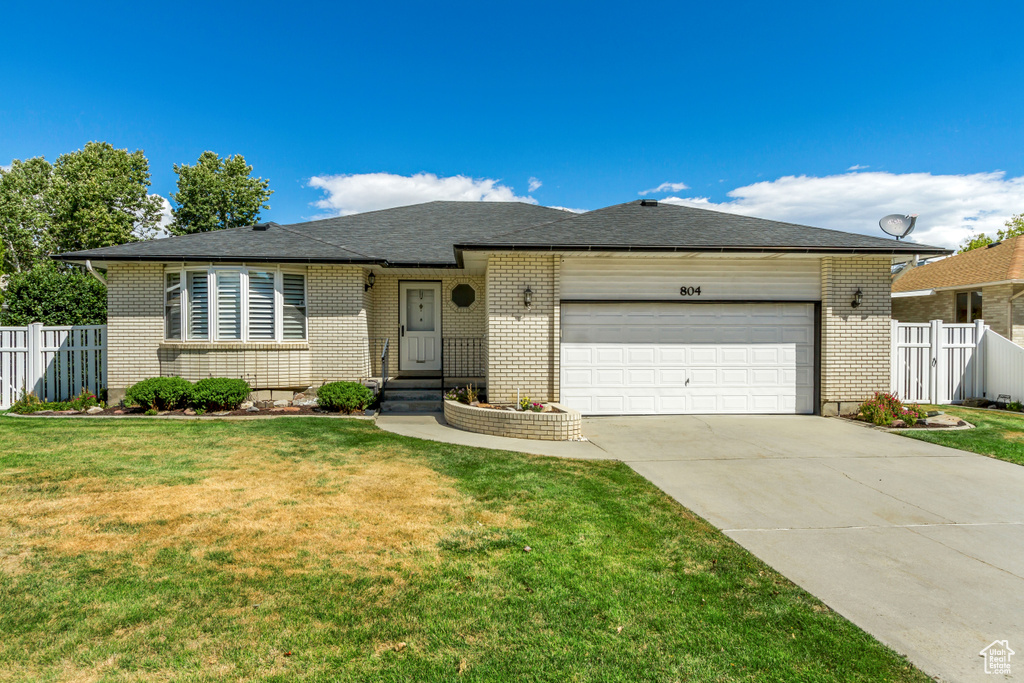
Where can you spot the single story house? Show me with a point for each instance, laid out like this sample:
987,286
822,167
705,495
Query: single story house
985,284
636,308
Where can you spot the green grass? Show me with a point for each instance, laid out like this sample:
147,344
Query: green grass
998,433
138,550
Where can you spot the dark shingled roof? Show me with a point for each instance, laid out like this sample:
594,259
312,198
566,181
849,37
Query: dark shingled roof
639,227
431,235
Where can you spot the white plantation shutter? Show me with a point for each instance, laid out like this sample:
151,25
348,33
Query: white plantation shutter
229,304
172,306
198,305
293,316
261,305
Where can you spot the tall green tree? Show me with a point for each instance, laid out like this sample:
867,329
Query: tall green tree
217,193
99,196
53,296
25,221
1014,228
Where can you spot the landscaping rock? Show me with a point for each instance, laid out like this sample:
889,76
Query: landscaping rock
308,402
252,409
976,403
285,409
221,413
898,424
94,410
282,403
245,405
299,396
189,411
65,412
118,412
944,421
933,413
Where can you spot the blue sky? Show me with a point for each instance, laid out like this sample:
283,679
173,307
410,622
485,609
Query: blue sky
597,102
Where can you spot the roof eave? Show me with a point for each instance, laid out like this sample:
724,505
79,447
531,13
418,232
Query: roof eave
878,251
81,258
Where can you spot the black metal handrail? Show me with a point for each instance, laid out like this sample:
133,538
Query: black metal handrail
384,364
463,356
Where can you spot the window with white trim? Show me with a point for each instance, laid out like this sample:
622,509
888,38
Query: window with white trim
222,303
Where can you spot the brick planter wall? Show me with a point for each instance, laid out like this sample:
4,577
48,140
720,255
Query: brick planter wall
562,426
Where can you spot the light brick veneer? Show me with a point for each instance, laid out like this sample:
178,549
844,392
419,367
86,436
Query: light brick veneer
135,324
522,344
855,342
922,309
564,426
263,366
338,322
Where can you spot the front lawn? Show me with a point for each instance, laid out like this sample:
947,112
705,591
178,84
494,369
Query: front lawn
998,433
319,549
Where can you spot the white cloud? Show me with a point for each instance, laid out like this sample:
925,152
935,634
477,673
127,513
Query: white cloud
534,184
356,193
666,187
857,167
566,208
165,220
951,207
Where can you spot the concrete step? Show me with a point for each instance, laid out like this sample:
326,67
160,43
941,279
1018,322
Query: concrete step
412,406
391,394
413,383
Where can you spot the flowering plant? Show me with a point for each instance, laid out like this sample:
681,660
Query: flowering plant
884,409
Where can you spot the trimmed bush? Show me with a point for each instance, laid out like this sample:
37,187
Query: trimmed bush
344,397
162,393
884,409
220,393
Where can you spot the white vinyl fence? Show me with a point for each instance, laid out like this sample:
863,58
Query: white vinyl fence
54,363
937,362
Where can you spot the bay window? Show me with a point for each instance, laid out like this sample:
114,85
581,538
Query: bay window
239,304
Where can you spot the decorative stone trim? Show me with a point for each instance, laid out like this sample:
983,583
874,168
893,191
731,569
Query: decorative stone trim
563,426
236,346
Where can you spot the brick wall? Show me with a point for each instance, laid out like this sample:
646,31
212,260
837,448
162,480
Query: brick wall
263,366
338,323
1017,316
922,309
135,324
855,342
562,426
523,344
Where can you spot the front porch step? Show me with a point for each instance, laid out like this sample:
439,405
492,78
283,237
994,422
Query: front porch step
413,383
434,406
391,394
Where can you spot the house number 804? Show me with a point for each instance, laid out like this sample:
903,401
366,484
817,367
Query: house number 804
689,291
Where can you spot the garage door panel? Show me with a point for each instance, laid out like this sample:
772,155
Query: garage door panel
686,358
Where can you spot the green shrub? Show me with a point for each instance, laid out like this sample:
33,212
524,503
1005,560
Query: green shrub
162,393
467,394
54,296
30,403
344,396
883,409
220,393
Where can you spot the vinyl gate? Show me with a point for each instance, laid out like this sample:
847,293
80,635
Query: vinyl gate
54,363
936,362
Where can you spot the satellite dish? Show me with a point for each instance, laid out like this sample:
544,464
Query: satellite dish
898,226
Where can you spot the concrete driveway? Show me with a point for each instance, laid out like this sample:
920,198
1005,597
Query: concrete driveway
921,546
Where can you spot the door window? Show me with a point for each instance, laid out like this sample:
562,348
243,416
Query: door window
419,310
968,307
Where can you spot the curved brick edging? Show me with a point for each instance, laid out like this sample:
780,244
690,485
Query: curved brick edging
564,426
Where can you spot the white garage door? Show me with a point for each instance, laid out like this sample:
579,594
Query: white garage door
647,358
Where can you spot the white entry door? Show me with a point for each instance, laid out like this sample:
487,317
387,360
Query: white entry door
646,358
419,306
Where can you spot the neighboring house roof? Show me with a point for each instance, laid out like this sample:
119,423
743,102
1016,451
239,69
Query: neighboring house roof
1000,262
433,234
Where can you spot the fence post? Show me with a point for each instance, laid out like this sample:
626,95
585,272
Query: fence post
935,365
34,359
894,332
980,388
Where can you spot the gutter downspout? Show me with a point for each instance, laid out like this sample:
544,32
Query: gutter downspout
92,271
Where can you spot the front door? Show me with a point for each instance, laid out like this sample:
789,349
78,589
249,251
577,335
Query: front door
419,306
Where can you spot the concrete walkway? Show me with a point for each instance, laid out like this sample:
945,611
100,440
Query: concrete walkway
922,546
432,427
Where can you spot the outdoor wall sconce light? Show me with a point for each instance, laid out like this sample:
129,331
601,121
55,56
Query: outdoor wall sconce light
528,297
369,284
857,298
